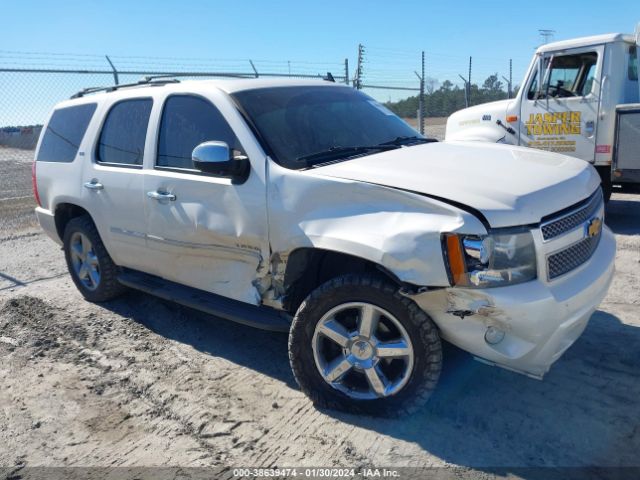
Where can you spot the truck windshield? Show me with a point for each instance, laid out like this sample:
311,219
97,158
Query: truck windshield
309,125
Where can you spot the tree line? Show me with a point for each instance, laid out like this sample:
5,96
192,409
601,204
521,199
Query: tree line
441,100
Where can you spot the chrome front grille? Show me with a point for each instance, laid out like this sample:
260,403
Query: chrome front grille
557,226
571,236
570,258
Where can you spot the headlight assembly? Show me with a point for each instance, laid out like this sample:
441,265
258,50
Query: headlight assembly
494,260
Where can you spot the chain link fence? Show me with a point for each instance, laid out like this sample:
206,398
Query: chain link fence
33,82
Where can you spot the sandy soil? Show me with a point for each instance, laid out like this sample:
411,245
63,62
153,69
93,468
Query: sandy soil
141,382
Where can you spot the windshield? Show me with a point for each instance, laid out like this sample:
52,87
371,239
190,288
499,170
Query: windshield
306,126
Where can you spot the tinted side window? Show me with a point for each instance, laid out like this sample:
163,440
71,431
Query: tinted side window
124,132
633,63
64,133
188,121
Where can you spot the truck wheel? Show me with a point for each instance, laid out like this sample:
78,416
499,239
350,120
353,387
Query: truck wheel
357,345
606,190
89,264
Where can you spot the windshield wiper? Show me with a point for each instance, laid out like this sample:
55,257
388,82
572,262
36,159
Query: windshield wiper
335,153
409,140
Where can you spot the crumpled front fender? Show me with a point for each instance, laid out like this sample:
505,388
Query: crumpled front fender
398,230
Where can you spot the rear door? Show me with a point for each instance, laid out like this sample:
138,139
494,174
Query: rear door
560,112
113,180
204,231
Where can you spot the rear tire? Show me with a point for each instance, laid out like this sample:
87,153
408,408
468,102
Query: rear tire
89,263
407,379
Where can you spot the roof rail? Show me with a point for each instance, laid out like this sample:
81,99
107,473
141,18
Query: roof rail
151,80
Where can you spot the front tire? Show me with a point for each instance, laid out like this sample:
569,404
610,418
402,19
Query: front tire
89,263
357,345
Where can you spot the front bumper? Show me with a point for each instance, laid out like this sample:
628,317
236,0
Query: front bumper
541,319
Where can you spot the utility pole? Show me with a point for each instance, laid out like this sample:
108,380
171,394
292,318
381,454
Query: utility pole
346,71
358,79
546,34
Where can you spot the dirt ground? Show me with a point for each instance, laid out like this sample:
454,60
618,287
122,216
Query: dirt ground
433,126
142,382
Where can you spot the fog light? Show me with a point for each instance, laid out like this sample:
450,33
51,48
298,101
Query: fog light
493,335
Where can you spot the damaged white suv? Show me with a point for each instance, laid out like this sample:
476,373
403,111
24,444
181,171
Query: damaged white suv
308,207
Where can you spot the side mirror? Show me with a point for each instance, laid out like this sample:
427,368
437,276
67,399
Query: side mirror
215,158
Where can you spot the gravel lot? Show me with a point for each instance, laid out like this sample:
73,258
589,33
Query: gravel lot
141,382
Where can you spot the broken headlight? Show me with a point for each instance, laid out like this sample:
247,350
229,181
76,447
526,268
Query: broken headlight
494,260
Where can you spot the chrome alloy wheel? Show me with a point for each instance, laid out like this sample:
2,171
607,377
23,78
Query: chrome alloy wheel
363,351
85,261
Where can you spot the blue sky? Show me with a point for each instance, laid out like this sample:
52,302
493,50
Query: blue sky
314,36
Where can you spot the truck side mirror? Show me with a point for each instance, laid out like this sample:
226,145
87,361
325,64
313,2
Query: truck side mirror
215,159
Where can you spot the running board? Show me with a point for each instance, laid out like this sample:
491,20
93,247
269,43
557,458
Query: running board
264,318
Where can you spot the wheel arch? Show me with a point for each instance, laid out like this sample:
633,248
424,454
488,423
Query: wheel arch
64,213
309,267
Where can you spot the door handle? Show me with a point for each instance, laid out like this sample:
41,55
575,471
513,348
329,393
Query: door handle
161,196
93,185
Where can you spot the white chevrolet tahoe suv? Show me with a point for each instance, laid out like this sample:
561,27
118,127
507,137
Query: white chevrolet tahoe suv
308,207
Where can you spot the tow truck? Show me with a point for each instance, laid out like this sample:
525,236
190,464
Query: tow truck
580,97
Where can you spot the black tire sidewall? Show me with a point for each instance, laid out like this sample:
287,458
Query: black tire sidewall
421,330
108,287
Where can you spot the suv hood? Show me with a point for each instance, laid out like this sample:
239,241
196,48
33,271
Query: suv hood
510,186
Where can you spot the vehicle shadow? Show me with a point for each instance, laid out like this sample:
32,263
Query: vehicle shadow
584,413
259,350
622,214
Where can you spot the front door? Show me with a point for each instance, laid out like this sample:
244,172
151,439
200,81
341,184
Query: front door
560,113
204,231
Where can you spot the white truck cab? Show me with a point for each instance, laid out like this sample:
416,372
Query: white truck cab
307,207
580,98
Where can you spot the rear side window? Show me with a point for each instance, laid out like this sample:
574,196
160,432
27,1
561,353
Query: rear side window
188,121
64,133
124,132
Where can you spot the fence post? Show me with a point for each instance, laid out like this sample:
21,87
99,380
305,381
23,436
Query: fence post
346,71
469,83
466,91
420,114
358,79
422,98
510,77
255,71
509,80
115,72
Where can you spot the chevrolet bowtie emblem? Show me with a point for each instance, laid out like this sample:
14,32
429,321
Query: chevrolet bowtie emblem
593,227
